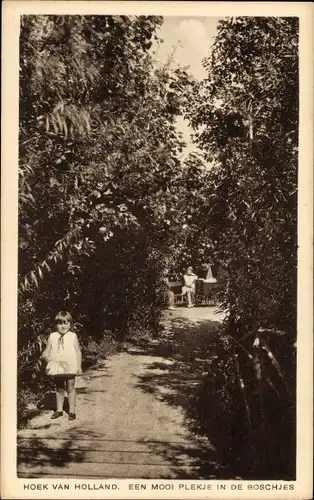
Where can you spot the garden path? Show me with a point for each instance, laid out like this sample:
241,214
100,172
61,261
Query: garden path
132,412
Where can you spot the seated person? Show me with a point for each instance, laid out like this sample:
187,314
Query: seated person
189,285
168,293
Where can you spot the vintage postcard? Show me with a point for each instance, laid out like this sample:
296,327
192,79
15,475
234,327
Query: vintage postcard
157,238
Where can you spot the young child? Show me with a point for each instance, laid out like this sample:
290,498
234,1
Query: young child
63,347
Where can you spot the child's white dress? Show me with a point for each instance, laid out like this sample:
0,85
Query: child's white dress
189,282
63,349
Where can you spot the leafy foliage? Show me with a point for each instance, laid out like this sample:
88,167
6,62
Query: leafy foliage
98,149
247,110
106,201
99,161
251,425
245,117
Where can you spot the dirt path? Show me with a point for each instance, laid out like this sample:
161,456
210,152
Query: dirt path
131,412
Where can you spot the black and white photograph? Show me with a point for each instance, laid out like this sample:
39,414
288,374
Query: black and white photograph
157,272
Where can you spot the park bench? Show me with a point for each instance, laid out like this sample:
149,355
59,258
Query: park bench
205,293
179,297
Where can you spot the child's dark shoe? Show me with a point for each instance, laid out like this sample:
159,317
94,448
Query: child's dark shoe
56,414
72,416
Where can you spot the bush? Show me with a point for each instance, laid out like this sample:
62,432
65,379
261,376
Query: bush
250,420
94,351
27,401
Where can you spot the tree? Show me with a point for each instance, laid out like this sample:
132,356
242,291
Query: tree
192,243
248,108
98,149
245,117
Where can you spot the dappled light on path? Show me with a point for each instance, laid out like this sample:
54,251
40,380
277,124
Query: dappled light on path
133,412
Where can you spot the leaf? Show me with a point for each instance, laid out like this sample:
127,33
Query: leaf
257,367
33,276
54,124
59,121
65,128
277,366
46,265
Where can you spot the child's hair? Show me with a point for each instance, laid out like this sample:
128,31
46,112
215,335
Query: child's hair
64,315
